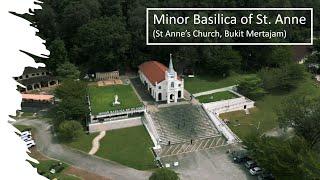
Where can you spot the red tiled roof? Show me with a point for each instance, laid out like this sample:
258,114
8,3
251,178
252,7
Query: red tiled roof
154,71
37,97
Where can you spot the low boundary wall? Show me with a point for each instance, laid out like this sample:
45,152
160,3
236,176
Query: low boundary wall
116,124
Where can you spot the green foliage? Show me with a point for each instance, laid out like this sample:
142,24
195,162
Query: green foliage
69,130
73,102
102,42
301,113
219,62
251,87
316,45
102,35
284,78
58,54
164,174
68,70
285,158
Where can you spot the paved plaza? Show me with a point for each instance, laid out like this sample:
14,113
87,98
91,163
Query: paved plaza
197,145
208,164
184,123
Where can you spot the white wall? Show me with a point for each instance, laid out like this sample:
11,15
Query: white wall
116,124
229,105
164,88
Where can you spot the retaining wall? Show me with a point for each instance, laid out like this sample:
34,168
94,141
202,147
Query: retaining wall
116,124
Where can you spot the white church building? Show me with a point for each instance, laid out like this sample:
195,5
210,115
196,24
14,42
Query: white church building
162,83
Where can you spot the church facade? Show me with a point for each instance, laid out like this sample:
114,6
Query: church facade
162,82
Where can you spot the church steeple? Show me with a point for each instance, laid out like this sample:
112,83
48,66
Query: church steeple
171,70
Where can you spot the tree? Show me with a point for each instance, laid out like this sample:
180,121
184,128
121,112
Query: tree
219,61
301,113
69,130
73,102
58,54
284,158
102,43
284,78
67,70
164,174
251,87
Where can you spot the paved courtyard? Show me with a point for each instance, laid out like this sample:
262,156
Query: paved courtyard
182,124
209,164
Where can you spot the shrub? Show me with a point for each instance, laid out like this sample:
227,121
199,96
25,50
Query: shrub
69,130
251,87
164,174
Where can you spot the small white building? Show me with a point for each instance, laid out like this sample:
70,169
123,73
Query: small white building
162,83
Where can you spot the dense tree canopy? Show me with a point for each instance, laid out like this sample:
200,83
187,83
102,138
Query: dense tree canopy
102,35
283,78
73,102
69,130
251,87
67,70
285,158
303,115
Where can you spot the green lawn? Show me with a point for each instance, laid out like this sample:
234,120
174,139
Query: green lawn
101,98
201,83
22,127
129,146
83,143
265,111
45,166
224,95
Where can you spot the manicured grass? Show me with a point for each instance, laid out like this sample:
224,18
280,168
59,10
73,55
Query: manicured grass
101,98
22,127
129,146
219,96
202,83
265,111
27,114
45,166
83,143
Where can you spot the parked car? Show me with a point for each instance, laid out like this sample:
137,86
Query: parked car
255,171
26,133
250,164
240,156
30,143
266,176
26,138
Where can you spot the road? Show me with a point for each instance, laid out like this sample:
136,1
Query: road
52,149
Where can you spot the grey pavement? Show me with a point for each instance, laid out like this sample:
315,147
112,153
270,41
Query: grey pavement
209,164
110,169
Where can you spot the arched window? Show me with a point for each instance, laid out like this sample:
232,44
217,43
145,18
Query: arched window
159,97
172,84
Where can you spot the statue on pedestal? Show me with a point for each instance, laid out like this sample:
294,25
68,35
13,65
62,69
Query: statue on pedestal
116,100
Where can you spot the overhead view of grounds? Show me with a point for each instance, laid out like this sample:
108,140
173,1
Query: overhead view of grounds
110,106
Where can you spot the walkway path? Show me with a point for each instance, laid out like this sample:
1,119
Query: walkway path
214,91
49,147
96,142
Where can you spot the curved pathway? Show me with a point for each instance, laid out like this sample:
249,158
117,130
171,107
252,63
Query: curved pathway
96,142
103,167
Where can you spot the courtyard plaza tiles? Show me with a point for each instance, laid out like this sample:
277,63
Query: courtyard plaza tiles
183,123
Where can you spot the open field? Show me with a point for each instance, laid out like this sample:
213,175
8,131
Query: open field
201,83
83,143
101,98
218,96
265,111
129,146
